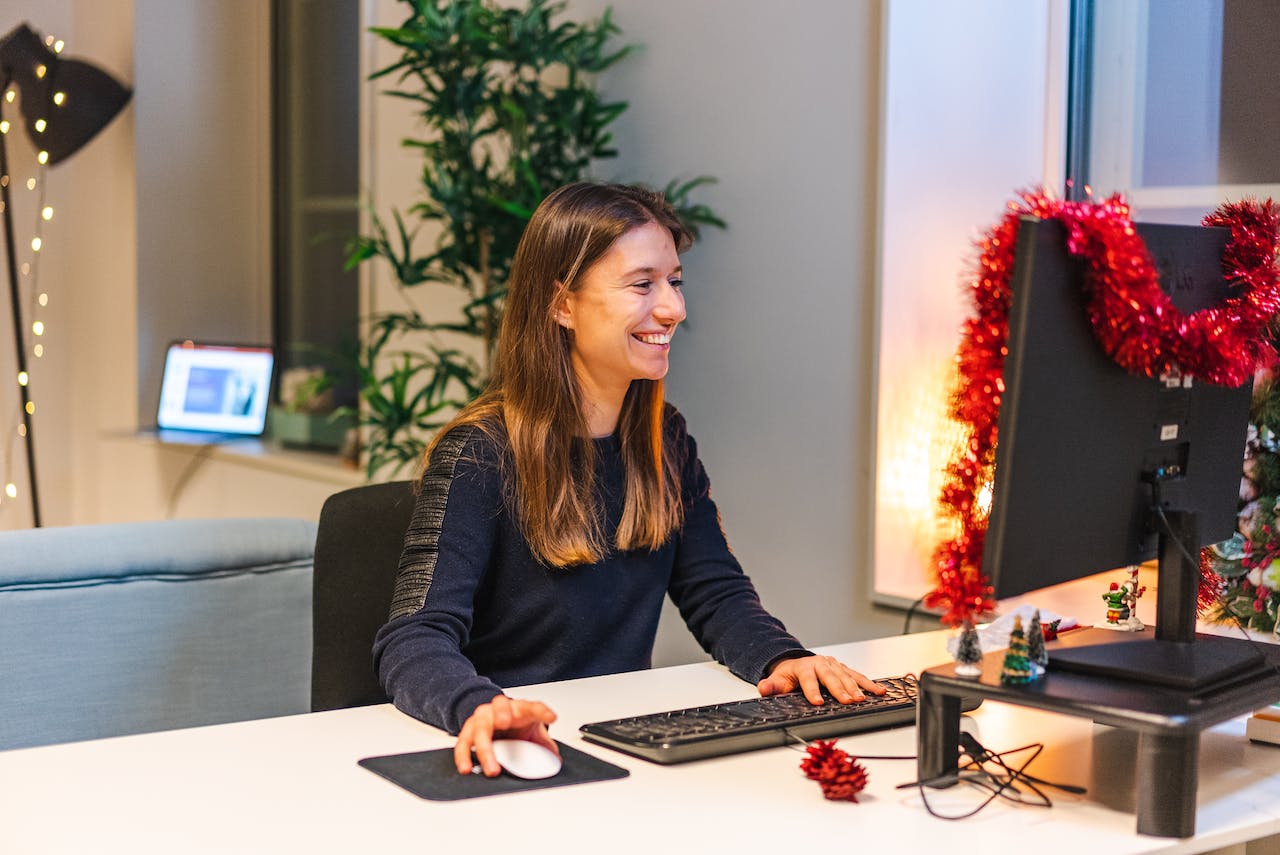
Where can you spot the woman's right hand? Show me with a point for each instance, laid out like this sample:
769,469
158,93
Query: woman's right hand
501,718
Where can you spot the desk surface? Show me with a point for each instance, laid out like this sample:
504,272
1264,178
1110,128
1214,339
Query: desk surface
292,785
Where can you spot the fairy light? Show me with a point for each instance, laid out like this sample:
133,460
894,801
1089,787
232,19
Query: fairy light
47,213
31,408
26,268
40,125
58,98
31,184
23,378
41,71
38,327
22,430
43,299
43,157
10,95
11,490
57,46
4,126
36,243
38,350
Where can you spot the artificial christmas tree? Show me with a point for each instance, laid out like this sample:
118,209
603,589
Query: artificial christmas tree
1017,666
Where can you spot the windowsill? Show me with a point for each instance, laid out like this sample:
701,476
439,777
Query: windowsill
261,454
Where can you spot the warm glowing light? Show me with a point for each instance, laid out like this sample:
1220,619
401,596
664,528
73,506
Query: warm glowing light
38,350
36,243
23,377
43,157
10,95
58,98
26,268
47,213
43,299
31,408
4,180
38,328
58,46
11,490
41,124
31,184
22,430
41,70
4,126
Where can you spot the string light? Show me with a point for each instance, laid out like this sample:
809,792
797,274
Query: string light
23,378
43,157
41,70
38,327
31,184
47,213
44,299
22,430
40,125
4,126
57,46
26,268
36,243
11,490
10,95
31,408
58,98
38,350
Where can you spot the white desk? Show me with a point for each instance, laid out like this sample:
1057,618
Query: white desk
292,785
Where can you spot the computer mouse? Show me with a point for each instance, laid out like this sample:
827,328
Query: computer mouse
525,759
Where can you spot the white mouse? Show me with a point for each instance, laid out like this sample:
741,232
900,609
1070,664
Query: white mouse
525,759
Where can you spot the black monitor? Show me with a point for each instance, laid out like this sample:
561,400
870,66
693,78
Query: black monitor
1098,469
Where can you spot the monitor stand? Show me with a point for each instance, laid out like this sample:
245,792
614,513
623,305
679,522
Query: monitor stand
1168,719
1176,656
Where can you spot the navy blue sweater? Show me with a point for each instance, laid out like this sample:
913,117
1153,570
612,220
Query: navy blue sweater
474,611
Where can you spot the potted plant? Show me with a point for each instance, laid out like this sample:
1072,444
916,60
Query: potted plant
508,106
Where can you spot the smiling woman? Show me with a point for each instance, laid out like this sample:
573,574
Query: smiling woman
559,509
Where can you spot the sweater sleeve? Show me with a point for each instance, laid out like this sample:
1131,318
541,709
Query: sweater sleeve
716,599
418,653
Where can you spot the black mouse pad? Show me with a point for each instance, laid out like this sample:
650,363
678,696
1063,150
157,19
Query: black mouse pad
432,775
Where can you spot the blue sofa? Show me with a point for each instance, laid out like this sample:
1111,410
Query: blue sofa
108,630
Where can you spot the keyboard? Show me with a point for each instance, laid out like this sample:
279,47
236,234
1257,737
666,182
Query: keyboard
711,731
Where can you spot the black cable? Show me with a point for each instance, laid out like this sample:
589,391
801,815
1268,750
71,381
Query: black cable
911,610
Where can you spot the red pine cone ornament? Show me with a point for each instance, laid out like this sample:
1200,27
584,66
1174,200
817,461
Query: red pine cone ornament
841,777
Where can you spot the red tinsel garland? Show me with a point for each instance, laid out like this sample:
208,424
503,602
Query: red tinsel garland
841,777
1134,322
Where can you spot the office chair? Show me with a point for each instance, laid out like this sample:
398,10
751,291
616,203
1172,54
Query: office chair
358,546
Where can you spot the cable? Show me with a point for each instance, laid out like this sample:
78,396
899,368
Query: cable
1010,783
911,610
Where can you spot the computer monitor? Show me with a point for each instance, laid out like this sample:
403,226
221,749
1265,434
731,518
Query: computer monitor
1087,452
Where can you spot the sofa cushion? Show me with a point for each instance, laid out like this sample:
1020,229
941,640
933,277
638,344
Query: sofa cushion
116,629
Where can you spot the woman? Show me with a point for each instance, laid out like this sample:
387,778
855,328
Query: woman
558,509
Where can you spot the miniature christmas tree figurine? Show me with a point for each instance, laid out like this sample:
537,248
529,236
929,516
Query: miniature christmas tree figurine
1017,667
1035,645
968,652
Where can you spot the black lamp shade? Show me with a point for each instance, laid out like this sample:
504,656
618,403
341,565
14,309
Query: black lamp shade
75,99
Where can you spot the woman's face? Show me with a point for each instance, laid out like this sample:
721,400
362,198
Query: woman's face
624,312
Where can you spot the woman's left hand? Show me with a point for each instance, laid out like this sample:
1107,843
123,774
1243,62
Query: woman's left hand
810,674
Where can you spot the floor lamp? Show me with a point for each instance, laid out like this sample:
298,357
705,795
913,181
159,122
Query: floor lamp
65,102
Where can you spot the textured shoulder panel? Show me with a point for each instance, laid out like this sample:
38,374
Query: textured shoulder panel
422,541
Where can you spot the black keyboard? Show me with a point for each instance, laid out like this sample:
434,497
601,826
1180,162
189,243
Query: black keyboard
718,729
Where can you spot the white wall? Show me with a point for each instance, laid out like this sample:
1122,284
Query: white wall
86,378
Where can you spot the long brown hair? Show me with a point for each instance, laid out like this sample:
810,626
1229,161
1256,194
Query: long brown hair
533,405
